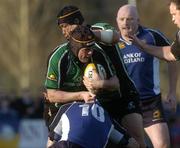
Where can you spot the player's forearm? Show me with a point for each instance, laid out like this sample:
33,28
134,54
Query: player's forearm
151,49
160,52
167,54
111,84
62,96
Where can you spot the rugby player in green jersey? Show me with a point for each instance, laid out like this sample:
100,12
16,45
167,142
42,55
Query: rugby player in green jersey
67,21
64,73
82,51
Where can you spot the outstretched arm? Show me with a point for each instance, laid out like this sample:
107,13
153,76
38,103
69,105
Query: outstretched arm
161,52
54,95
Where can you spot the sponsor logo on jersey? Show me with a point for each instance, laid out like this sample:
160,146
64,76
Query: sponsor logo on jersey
133,58
52,77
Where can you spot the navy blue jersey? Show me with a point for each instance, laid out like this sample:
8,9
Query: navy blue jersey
87,125
142,67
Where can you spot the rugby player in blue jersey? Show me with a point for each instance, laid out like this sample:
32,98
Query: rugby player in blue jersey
143,68
168,53
85,125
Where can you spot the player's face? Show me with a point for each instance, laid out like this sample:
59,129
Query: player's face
67,29
85,54
175,13
127,22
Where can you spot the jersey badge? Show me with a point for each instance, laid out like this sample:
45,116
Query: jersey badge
52,77
121,45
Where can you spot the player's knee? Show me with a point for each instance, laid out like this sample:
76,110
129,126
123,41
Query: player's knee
162,144
49,142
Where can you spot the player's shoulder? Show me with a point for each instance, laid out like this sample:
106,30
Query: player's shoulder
153,31
158,36
61,48
59,51
99,52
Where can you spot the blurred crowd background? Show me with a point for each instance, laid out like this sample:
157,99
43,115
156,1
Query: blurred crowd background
29,33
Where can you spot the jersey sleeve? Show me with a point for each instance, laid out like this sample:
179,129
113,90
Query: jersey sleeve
55,69
52,76
160,39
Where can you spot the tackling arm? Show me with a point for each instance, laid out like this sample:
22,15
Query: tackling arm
63,96
162,52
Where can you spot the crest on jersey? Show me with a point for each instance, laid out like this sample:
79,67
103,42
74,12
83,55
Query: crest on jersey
121,45
52,77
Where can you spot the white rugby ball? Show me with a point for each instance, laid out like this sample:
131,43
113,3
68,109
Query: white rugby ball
93,68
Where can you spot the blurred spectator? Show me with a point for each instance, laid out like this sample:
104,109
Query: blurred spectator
24,105
9,121
38,107
27,106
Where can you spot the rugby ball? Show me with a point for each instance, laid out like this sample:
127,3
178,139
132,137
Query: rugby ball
92,69
91,72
